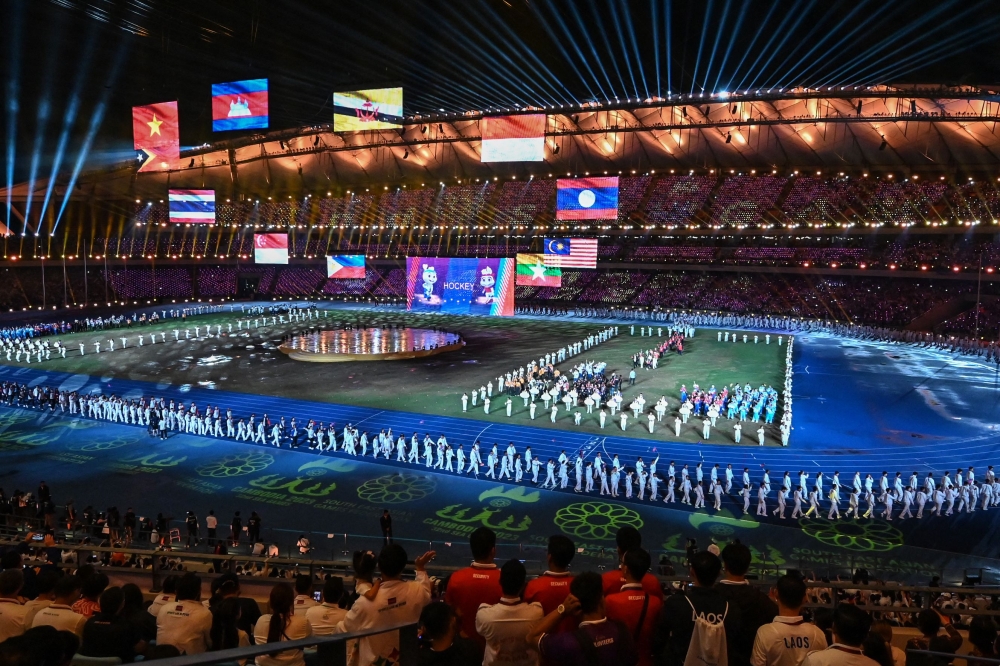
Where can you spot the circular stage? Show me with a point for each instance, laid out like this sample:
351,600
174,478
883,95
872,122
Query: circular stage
369,344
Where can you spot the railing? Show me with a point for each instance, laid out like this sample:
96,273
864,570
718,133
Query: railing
949,657
330,650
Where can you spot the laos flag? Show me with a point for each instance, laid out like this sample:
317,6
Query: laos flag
240,105
593,198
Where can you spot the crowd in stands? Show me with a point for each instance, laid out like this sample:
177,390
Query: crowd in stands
491,613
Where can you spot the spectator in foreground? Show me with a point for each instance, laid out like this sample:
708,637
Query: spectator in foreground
884,629
393,603
634,607
628,538
505,625
788,638
440,643
676,624
226,632
325,617
135,614
850,629
186,623
929,622
597,641
59,613
227,586
281,625
12,613
91,589
303,594
40,645
552,587
108,634
475,585
876,649
756,609
983,636
45,583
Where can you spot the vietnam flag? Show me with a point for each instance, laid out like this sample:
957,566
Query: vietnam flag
156,134
532,272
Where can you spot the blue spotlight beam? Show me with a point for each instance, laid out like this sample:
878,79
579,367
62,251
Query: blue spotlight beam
715,44
701,44
781,30
12,106
560,40
757,33
667,10
593,49
655,23
729,47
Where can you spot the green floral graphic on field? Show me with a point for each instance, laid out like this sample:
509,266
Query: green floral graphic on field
237,464
104,444
866,536
595,520
396,488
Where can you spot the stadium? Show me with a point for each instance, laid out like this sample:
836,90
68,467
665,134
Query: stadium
561,286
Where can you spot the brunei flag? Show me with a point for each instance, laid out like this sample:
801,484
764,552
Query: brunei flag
156,134
532,272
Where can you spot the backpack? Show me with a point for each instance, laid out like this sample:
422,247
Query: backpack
708,640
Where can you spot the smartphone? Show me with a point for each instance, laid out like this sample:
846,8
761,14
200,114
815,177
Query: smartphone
318,595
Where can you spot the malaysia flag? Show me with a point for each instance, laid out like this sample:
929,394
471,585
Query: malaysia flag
192,206
270,248
571,252
593,198
514,138
240,105
345,266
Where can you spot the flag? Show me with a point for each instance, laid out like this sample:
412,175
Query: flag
514,138
270,248
156,135
345,266
361,110
240,105
192,206
533,272
571,252
593,198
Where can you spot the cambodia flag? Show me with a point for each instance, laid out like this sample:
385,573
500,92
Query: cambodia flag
345,266
240,105
270,248
587,198
156,134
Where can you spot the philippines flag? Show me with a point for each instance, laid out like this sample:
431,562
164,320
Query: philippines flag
192,206
571,252
239,105
270,248
345,266
587,198
514,138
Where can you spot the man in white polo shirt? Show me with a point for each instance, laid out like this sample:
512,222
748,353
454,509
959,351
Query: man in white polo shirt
11,611
303,594
59,613
325,617
185,624
850,628
788,639
505,625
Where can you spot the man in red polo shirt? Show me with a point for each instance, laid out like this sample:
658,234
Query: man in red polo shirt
476,584
628,538
636,608
552,587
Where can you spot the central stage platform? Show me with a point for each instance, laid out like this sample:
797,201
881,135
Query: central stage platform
369,344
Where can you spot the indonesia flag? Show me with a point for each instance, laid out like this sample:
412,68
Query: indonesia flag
514,138
192,206
270,248
345,266
593,198
239,105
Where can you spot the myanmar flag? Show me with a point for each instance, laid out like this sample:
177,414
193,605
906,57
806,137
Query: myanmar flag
532,272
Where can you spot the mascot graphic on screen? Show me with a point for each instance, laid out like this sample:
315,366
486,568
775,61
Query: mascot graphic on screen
430,278
486,282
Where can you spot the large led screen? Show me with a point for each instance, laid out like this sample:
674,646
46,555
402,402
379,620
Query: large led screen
514,138
240,105
270,248
361,110
460,286
191,206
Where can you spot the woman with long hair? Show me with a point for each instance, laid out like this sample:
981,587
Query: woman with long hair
281,625
226,633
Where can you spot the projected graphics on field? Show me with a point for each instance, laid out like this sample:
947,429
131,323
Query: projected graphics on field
240,105
514,138
460,286
594,198
192,206
345,266
361,110
270,248
156,135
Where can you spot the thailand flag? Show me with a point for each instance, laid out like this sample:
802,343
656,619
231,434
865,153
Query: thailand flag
587,198
345,266
270,248
514,138
192,206
240,105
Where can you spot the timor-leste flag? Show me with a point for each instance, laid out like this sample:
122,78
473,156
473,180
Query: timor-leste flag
156,134
532,272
